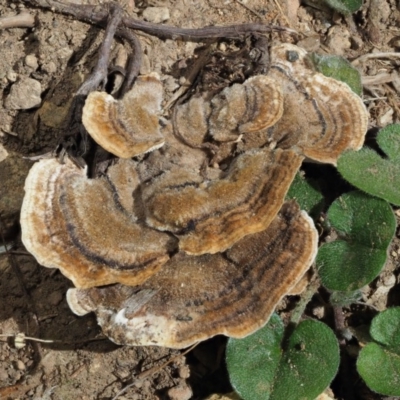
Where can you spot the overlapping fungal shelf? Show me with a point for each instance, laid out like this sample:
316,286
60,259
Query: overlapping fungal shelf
170,249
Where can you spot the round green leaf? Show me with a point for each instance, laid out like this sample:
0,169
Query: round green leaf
380,369
307,194
247,360
338,68
385,328
389,141
379,363
309,363
366,226
260,369
344,6
368,171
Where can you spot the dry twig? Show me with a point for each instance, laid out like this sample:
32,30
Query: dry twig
250,9
368,56
99,17
23,20
99,75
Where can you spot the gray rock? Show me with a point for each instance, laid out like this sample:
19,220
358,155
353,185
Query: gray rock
24,94
156,14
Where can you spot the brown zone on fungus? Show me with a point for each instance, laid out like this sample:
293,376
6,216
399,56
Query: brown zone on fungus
233,293
127,127
322,116
191,121
293,106
253,191
90,242
244,108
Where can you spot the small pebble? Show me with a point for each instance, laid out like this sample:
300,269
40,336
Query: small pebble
319,312
65,53
31,61
180,392
156,14
310,43
222,46
49,68
11,76
389,280
23,95
3,156
20,365
184,372
145,68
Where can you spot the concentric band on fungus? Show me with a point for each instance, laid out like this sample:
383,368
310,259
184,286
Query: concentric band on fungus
127,127
209,217
193,298
75,224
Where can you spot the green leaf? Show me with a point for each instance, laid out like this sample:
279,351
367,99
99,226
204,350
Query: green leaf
368,171
385,328
366,226
260,369
247,358
306,192
338,68
379,363
344,6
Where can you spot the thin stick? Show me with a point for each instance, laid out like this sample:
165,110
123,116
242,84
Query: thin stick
282,13
23,20
384,77
368,56
35,339
305,298
250,9
153,370
99,75
135,59
95,16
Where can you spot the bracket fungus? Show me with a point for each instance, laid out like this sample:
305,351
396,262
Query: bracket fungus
193,298
80,226
293,106
322,116
127,127
209,217
170,249
249,107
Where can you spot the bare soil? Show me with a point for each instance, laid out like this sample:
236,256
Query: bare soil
59,52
